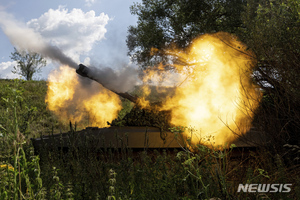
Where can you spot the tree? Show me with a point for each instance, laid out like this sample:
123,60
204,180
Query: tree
162,23
271,30
28,63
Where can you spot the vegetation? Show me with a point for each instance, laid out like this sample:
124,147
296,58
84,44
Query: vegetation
266,26
162,23
269,28
85,171
33,117
28,63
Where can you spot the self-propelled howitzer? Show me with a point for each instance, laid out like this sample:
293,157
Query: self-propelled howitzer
140,129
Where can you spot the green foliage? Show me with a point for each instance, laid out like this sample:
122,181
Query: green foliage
269,28
162,23
272,31
151,116
55,190
203,173
22,177
112,183
86,171
33,117
28,63
145,117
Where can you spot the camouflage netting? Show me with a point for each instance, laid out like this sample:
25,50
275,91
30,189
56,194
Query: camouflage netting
145,117
150,116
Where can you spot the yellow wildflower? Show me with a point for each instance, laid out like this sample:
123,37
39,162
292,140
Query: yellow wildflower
7,166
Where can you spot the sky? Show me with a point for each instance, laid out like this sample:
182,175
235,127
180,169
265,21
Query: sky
88,31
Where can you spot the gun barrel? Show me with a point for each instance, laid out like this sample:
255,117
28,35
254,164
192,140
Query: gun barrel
85,72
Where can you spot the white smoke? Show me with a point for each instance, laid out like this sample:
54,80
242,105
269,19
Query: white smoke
64,36
26,38
121,80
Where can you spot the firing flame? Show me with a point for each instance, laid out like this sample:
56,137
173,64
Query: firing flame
71,100
215,96
217,99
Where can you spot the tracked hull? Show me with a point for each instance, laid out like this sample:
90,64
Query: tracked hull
136,139
113,137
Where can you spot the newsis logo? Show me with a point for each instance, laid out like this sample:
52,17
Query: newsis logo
264,188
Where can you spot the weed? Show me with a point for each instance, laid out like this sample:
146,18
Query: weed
75,167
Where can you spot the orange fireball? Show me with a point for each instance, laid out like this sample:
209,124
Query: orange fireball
217,99
71,100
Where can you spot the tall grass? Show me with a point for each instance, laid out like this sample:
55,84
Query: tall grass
20,177
83,170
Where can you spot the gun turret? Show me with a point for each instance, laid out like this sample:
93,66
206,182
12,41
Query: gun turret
84,71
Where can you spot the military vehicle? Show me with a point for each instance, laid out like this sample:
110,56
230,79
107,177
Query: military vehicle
142,128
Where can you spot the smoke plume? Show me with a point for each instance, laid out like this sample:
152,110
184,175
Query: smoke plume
121,80
26,38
